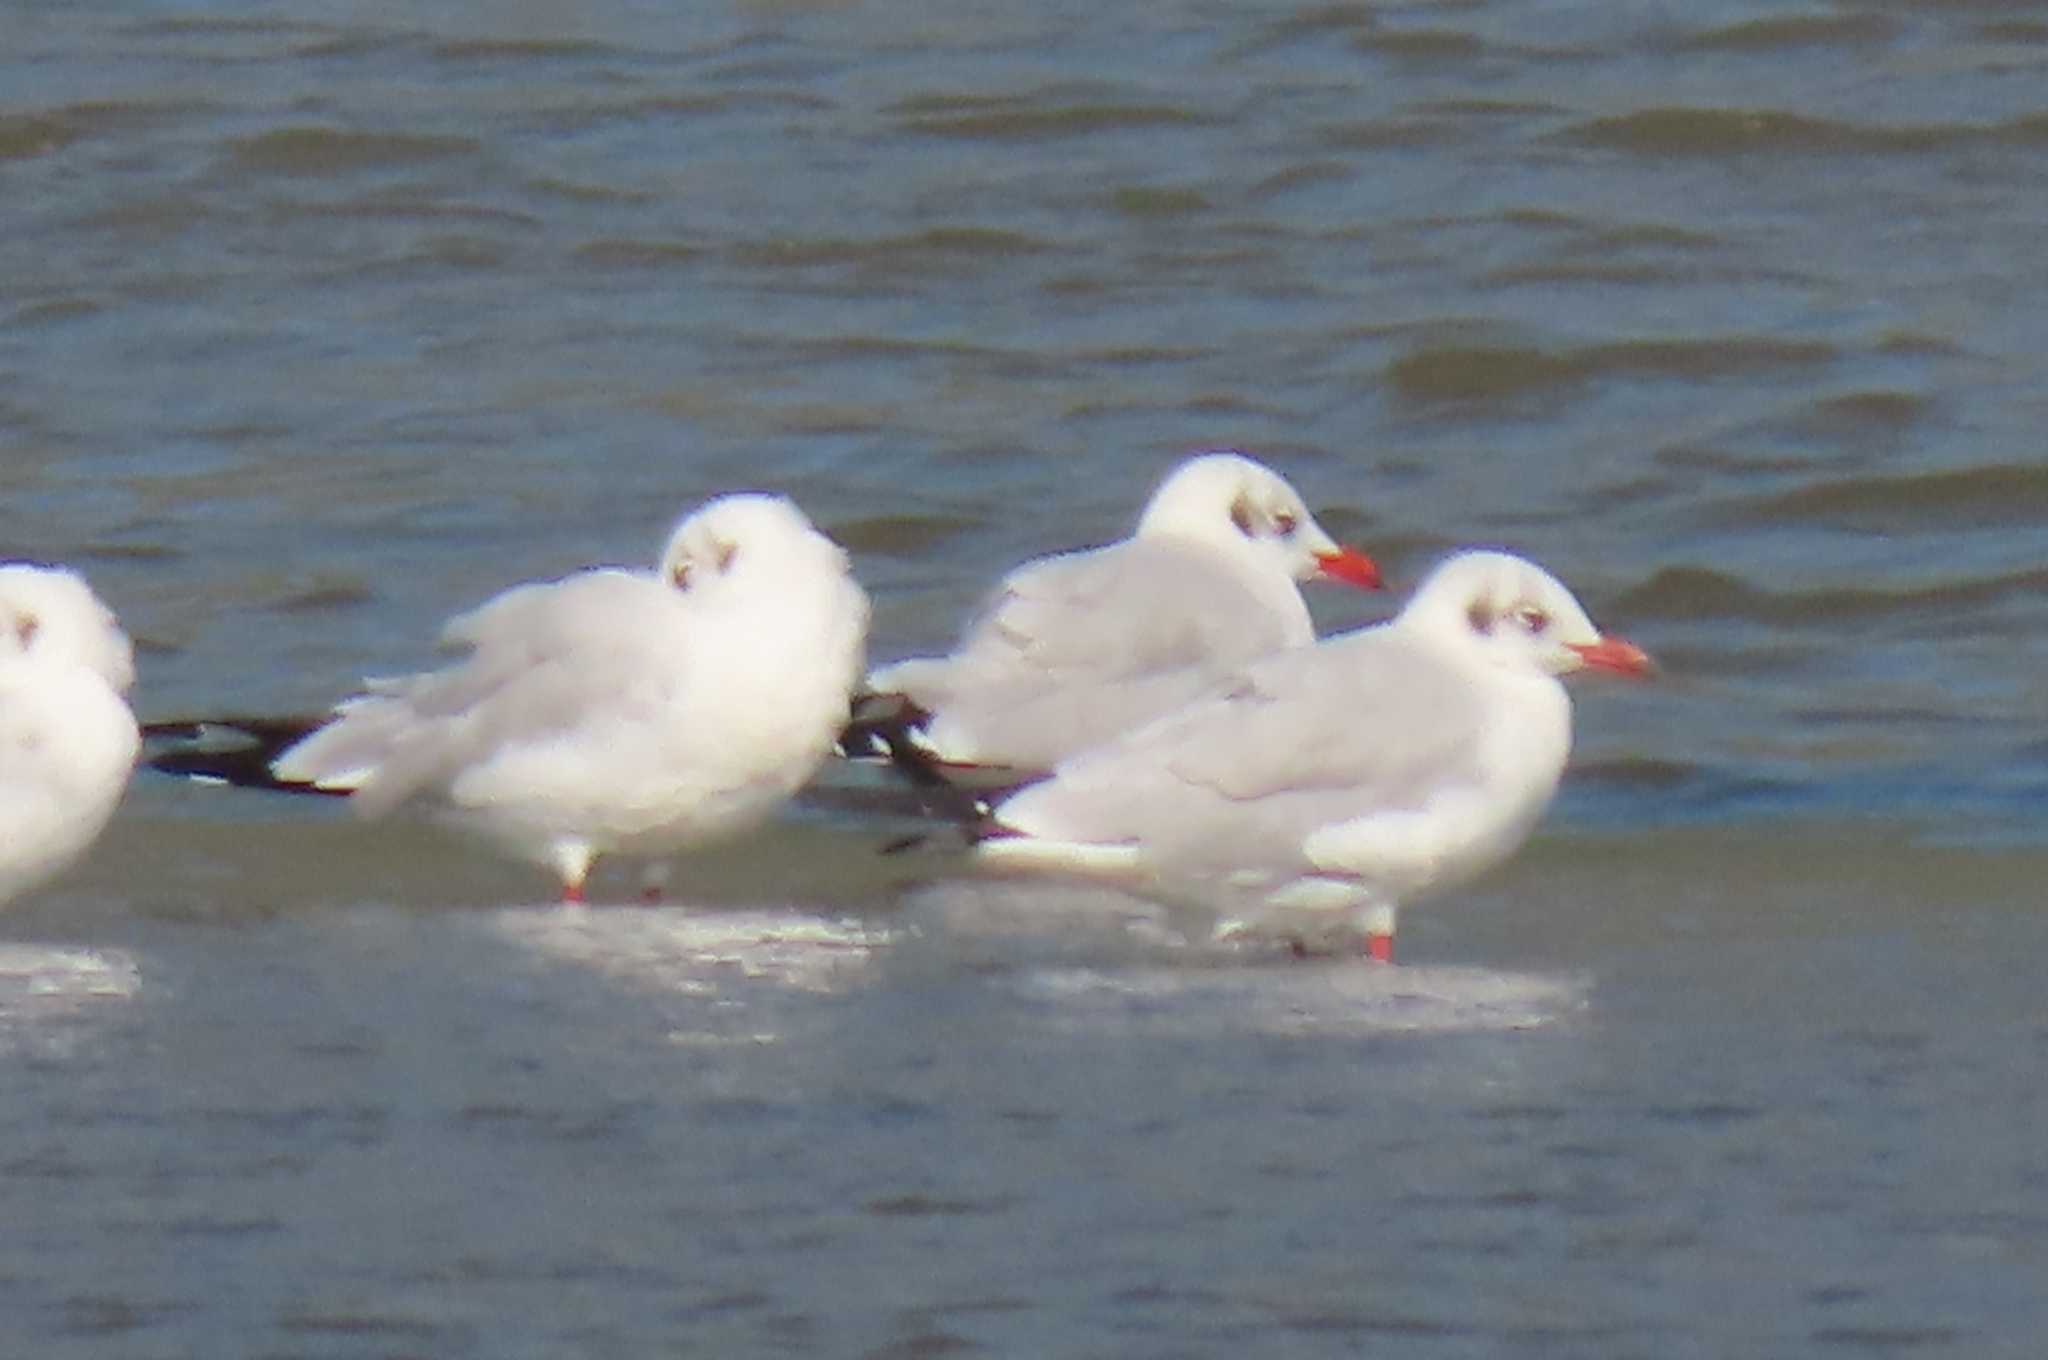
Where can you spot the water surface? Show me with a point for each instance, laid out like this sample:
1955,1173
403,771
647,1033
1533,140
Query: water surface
318,325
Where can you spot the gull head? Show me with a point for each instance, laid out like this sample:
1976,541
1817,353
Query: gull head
51,614
748,537
1230,501
1507,612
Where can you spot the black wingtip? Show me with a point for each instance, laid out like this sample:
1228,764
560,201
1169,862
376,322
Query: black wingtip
279,730
987,828
230,750
974,821
887,729
884,728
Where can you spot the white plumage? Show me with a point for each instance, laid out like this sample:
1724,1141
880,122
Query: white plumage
616,711
1072,649
1326,785
67,739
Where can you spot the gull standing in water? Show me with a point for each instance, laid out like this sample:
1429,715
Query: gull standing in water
67,739
1070,650
609,711
1328,785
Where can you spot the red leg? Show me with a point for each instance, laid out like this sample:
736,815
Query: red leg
572,866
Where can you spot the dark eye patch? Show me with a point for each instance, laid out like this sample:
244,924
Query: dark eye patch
26,626
1241,516
1481,616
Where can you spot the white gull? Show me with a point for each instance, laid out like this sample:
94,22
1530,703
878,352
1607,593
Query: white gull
67,739
1072,649
614,711
1328,785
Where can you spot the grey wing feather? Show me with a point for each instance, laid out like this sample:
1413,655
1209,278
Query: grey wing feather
536,653
533,622
1370,714
1072,650
1136,608
1300,740
1034,725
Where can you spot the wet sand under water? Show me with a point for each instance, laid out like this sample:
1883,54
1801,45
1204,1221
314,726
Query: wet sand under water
1697,1092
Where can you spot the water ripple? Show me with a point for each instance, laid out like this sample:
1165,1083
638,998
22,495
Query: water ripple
1970,498
1023,120
1694,592
1685,131
335,151
1461,373
1793,31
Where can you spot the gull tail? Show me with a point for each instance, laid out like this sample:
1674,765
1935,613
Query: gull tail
230,750
889,729
884,730
972,813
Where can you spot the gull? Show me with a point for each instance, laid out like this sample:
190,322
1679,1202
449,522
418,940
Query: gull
67,739
1072,649
606,712
1329,784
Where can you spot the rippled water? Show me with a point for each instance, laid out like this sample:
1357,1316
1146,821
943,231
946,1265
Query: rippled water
317,325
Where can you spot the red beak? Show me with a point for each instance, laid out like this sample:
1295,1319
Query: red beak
1352,567
1614,654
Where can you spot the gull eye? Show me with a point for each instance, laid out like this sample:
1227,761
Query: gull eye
726,553
1241,516
26,626
679,574
1532,619
1286,523
1481,616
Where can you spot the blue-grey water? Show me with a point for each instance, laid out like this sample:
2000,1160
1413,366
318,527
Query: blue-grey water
320,323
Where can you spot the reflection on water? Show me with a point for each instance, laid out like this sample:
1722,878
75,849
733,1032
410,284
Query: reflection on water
699,953
1332,1000
1077,963
47,992
1803,1068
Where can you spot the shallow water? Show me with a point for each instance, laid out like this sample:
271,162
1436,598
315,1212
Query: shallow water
317,325
1694,1093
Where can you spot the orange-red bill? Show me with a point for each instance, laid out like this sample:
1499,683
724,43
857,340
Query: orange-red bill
1614,654
1352,567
